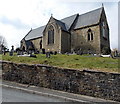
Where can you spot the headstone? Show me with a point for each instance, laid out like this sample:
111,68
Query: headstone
55,53
30,52
47,54
11,53
18,52
116,53
43,51
12,48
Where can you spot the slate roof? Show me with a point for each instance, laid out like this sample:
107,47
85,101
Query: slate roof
35,33
88,18
83,20
61,24
69,21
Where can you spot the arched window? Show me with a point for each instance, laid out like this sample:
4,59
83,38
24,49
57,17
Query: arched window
51,35
90,35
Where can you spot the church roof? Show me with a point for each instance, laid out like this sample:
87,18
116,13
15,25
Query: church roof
89,18
69,21
61,24
35,33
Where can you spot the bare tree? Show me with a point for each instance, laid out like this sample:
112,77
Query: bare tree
3,44
3,41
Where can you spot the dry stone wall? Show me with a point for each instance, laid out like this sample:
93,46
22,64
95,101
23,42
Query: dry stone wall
92,83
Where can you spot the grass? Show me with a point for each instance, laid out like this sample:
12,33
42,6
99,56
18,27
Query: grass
69,61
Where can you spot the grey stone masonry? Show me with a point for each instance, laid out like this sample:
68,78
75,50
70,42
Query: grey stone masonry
92,83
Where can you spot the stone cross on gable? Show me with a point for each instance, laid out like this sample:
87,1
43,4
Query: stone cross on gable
102,5
51,14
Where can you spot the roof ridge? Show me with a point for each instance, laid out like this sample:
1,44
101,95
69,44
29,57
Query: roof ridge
87,19
69,16
90,11
80,14
38,27
27,33
59,20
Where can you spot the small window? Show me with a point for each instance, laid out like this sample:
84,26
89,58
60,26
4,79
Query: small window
90,35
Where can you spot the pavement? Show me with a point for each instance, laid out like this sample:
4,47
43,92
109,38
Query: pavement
69,97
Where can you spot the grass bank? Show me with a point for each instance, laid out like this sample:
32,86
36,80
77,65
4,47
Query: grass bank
69,61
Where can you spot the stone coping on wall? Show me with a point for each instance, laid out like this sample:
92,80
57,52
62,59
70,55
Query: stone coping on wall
48,66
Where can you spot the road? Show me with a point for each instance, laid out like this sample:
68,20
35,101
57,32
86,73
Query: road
14,95
15,92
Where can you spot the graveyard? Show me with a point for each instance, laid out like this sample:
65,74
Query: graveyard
77,62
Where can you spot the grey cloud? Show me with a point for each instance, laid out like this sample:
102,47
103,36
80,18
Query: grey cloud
17,23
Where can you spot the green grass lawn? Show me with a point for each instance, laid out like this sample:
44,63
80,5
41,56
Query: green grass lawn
69,61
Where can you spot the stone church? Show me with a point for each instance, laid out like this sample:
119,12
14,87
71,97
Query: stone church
85,33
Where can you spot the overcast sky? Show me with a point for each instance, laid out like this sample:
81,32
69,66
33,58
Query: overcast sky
17,17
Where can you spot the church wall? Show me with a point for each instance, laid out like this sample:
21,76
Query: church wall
65,42
79,40
36,43
23,45
105,41
57,38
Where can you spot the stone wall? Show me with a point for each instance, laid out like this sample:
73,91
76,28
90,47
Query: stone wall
65,42
92,83
105,41
79,39
36,43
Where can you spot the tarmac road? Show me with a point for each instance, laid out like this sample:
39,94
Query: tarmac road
15,92
14,95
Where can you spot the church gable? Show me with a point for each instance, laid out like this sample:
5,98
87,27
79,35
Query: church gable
104,34
57,23
52,35
103,16
103,21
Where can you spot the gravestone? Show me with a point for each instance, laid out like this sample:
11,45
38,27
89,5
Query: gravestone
11,53
47,54
19,52
43,51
